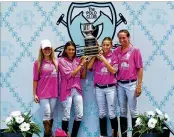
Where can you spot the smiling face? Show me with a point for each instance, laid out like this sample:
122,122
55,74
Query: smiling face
106,46
46,51
70,51
124,38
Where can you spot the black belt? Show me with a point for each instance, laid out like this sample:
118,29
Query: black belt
105,86
127,81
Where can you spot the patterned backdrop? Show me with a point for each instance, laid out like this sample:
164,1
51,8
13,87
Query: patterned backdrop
25,24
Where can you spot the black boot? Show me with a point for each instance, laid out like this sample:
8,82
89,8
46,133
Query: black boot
133,132
123,125
75,128
114,125
103,126
65,126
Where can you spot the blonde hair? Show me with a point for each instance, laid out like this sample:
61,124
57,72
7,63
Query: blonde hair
41,57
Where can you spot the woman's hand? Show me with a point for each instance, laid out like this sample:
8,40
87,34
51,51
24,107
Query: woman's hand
101,57
36,99
138,91
83,59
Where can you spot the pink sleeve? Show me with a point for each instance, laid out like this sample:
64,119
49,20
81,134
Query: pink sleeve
35,71
115,51
138,59
114,61
64,69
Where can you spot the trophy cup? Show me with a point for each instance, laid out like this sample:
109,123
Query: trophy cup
91,48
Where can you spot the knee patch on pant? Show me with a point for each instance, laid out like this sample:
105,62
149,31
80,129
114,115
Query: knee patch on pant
112,116
134,113
123,112
102,116
66,118
79,117
47,116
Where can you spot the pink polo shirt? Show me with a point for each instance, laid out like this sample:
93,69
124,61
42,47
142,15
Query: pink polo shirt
47,86
101,74
66,67
129,62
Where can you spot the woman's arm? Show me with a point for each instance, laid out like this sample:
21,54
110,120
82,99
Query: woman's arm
140,77
35,81
83,74
139,66
139,83
90,63
36,99
75,72
82,63
110,68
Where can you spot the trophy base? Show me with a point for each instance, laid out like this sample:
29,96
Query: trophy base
91,50
90,41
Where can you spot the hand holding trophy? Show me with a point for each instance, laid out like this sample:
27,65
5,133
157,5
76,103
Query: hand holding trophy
84,59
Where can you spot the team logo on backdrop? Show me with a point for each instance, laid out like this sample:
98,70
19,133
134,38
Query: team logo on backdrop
102,15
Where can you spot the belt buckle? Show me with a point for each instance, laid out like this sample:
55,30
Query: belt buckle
107,85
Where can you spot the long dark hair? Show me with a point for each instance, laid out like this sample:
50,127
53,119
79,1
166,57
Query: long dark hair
69,43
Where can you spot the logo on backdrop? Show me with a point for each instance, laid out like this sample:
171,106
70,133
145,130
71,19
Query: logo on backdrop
102,15
6,49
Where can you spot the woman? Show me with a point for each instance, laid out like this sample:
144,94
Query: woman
45,89
129,76
105,68
72,69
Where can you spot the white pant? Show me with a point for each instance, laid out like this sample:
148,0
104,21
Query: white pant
126,95
106,96
48,107
76,98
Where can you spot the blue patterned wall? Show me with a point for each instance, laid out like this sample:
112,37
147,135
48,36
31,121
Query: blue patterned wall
25,24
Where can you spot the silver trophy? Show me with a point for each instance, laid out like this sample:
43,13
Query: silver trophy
91,48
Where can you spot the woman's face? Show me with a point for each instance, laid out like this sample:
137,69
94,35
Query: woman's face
123,39
70,51
46,51
106,46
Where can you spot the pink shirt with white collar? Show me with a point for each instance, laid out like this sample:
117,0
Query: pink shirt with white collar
47,86
129,63
66,67
101,74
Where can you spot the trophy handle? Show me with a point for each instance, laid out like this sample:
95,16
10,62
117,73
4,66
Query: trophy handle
94,28
95,31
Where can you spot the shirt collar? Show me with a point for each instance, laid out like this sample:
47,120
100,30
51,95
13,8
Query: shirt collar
109,54
47,61
129,48
67,59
